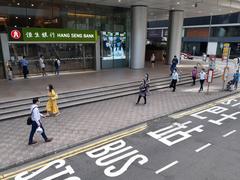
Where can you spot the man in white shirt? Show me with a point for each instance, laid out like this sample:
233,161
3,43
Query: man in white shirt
42,65
202,76
175,79
36,122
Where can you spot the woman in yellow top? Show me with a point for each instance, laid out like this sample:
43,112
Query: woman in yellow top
52,107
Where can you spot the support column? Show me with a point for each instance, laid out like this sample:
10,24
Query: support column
5,50
139,34
175,27
98,61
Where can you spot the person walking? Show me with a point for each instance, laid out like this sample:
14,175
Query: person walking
175,79
142,92
236,79
52,107
153,60
10,72
194,75
147,81
202,77
36,123
24,64
174,64
57,64
42,65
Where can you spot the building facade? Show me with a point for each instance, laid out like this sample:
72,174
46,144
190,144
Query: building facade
38,22
200,33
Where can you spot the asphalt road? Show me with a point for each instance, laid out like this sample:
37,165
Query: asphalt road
195,145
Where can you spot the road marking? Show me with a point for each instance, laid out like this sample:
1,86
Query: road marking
77,151
191,111
188,112
166,167
203,147
228,134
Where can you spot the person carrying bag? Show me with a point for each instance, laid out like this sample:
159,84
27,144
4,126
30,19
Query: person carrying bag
36,123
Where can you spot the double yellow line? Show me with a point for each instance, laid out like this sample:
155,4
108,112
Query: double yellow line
76,151
188,112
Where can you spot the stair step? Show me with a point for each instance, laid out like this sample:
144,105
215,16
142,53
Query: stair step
25,111
44,99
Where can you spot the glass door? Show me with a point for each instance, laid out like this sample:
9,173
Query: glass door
73,56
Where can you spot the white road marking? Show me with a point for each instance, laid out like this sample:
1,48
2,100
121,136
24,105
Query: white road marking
203,147
228,134
166,167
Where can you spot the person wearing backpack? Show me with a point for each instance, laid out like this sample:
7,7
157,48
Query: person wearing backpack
36,123
24,64
57,64
236,79
142,92
52,107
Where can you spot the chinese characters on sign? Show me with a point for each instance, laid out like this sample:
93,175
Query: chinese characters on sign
53,35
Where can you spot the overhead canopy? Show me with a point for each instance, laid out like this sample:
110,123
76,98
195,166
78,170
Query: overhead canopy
158,9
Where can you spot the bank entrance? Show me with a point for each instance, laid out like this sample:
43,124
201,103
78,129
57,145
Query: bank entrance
78,50
73,56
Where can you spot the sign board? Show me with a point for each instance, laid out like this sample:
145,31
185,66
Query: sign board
48,35
212,48
225,73
226,51
210,76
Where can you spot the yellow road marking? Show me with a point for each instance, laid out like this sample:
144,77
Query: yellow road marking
188,112
75,152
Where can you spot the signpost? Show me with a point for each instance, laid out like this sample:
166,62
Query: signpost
210,76
225,56
226,48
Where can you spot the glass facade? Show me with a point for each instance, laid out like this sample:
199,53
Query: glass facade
227,31
196,39
67,15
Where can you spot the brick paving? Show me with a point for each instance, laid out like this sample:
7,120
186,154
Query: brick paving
81,123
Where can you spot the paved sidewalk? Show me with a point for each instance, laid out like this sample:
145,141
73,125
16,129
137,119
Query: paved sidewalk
18,89
81,123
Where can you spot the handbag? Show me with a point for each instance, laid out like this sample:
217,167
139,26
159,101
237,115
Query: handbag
39,130
29,119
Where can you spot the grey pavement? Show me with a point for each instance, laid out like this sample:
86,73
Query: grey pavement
82,123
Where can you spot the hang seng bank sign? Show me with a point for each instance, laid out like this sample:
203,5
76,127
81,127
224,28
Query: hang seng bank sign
51,35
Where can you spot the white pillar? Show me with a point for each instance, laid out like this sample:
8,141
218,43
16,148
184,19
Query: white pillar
139,35
175,28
